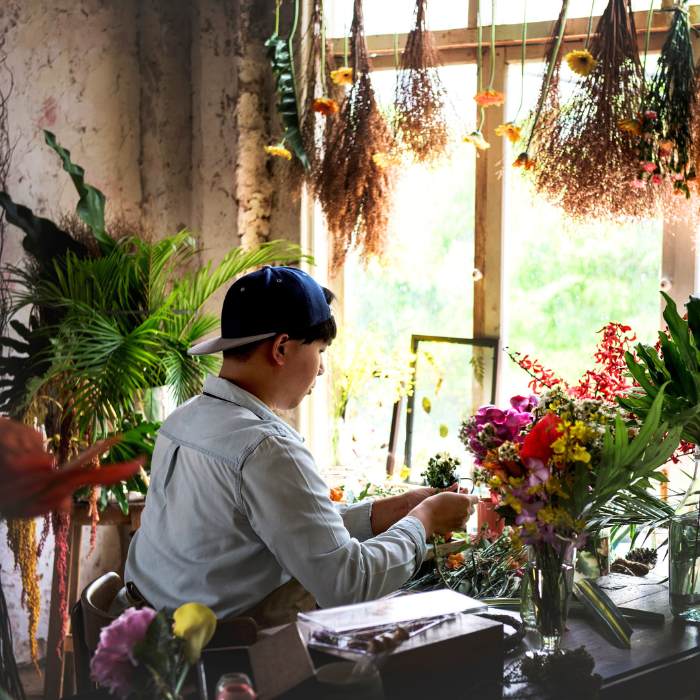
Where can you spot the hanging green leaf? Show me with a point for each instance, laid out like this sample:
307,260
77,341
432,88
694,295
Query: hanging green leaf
425,403
444,430
282,69
91,205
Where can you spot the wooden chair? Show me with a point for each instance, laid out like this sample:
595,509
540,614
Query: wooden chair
88,616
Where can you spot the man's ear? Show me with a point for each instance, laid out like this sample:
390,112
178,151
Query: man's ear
279,348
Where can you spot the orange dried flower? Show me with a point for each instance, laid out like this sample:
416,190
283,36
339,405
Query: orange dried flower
524,161
630,126
509,130
337,495
454,561
489,98
325,106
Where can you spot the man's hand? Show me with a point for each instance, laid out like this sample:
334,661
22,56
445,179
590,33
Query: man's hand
444,512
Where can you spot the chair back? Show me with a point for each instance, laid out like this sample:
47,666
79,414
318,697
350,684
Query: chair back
88,616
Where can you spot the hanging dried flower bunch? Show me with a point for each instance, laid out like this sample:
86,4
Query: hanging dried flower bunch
664,126
420,120
354,189
585,162
539,123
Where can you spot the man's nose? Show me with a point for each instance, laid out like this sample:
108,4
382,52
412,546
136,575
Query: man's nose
321,368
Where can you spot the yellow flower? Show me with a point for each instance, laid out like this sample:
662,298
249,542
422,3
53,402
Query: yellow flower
195,623
279,151
580,454
385,160
325,106
476,139
509,130
342,76
581,62
405,472
630,126
488,98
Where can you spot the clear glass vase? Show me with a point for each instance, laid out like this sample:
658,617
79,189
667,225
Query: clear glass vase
684,552
549,582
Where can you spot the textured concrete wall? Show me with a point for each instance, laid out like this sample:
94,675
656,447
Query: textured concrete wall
144,96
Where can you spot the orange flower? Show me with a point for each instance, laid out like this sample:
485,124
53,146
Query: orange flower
342,76
524,161
279,151
509,130
337,495
30,484
665,147
488,98
454,561
630,126
325,106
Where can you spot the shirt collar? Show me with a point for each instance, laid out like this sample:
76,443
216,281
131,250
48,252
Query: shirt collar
228,391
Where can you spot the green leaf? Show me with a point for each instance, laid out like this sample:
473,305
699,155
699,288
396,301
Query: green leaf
91,205
426,404
605,612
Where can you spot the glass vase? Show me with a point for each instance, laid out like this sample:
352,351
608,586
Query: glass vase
684,552
550,579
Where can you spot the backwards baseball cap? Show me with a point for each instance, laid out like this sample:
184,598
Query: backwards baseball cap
264,303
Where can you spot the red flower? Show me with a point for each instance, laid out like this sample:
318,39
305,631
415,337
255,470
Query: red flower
538,442
31,485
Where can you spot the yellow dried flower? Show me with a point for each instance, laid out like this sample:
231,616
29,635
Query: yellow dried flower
279,151
342,76
509,130
524,161
581,61
385,160
630,126
476,138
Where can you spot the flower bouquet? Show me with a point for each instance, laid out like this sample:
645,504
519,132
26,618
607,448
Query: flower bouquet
146,654
556,467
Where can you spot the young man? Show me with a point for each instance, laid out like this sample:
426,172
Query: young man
237,516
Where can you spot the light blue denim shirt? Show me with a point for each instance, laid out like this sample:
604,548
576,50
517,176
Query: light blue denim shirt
236,507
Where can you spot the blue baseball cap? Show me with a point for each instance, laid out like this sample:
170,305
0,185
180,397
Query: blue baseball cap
264,303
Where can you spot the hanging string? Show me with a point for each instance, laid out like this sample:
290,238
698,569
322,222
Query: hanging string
323,48
550,72
290,46
278,4
650,14
590,26
523,53
492,48
479,62
396,50
345,47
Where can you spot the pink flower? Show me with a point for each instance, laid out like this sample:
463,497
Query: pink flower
649,167
113,664
656,179
638,184
677,177
650,114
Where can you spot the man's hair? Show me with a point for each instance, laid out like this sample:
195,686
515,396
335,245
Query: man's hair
324,331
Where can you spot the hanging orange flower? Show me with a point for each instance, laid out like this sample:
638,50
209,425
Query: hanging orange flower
325,106
30,485
630,126
581,61
524,161
455,561
489,98
342,75
477,139
279,151
509,130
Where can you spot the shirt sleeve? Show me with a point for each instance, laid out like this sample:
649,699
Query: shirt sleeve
287,503
357,518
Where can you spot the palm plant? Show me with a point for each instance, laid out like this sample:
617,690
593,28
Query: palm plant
676,369
109,318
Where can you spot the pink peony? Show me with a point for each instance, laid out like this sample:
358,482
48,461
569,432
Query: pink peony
638,184
113,664
649,167
650,114
656,179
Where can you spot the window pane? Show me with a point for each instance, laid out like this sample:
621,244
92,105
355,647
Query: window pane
424,285
563,281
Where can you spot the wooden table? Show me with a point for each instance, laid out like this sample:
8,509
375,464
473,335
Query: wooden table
663,663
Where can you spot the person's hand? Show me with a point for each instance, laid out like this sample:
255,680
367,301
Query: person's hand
416,496
444,512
